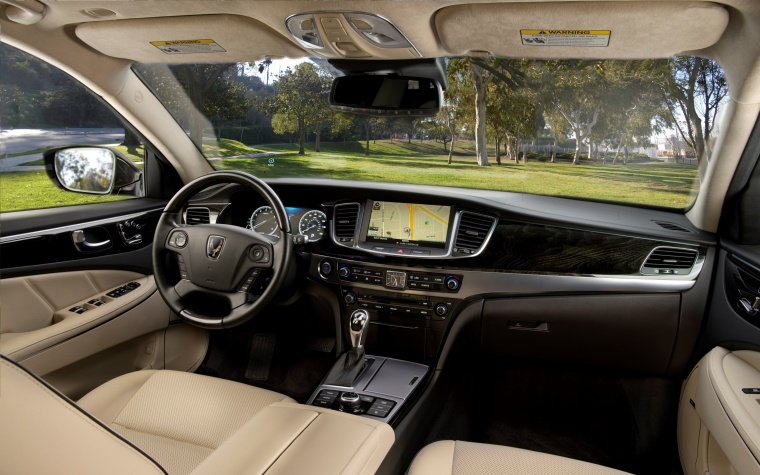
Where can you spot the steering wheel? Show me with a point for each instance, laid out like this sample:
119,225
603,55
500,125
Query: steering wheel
219,262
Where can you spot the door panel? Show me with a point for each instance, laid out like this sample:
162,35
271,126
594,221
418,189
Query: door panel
64,305
46,277
718,422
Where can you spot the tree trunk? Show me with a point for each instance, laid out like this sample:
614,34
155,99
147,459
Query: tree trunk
130,138
617,152
578,145
317,134
554,148
366,129
604,158
498,151
625,158
479,84
301,137
451,149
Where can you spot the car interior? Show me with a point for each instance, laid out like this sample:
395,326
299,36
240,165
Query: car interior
221,322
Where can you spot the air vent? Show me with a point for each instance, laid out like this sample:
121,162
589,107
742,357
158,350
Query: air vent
197,216
472,233
669,261
671,226
346,217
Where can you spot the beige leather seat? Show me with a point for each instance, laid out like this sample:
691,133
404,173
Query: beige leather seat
449,457
153,422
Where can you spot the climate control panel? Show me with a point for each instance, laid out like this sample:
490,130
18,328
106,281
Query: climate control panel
391,278
393,303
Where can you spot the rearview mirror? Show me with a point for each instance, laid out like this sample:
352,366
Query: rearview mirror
389,96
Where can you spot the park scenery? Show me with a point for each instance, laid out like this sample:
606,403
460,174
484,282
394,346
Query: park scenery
624,131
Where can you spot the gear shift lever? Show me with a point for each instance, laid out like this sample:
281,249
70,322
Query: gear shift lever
357,324
350,365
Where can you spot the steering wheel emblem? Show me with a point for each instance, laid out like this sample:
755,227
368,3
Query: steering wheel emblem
214,246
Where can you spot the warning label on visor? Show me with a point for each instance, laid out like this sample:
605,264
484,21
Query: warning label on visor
583,38
188,46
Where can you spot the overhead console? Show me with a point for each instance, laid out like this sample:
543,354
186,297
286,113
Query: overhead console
411,229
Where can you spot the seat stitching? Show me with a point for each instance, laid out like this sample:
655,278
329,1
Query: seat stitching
78,414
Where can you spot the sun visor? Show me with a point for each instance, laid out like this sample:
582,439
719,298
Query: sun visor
621,30
188,39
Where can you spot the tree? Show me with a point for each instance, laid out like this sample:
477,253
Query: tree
197,80
300,102
694,92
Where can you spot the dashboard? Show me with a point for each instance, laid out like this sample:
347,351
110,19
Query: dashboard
544,276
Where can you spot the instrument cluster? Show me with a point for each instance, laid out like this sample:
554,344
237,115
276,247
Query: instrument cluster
309,222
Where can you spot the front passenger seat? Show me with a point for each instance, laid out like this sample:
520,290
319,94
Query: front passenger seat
144,422
449,457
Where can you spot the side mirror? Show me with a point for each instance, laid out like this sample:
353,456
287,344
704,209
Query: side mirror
386,96
94,170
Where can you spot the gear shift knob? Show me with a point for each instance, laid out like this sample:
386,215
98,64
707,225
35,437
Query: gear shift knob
357,325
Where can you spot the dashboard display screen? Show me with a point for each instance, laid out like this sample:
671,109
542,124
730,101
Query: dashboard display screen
408,224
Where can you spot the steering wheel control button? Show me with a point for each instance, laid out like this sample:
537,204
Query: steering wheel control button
246,285
180,239
260,254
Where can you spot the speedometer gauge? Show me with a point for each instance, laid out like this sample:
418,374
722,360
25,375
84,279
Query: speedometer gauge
263,221
313,224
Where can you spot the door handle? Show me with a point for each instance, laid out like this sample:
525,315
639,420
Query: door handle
80,242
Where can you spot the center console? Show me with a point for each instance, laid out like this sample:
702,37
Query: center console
379,392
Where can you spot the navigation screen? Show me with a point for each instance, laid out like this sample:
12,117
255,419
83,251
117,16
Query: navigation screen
409,224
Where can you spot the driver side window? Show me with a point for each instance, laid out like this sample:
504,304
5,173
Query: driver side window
43,109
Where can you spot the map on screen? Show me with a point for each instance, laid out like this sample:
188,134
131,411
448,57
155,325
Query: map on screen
408,222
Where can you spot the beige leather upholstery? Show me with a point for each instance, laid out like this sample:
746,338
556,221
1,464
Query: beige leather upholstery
40,432
449,457
186,422
718,424
177,418
36,312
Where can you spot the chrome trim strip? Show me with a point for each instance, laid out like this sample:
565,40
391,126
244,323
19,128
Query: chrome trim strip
75,227
482,283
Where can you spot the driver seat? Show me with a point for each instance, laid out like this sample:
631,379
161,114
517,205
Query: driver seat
143,422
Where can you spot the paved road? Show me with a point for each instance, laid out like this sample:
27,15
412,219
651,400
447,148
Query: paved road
21,140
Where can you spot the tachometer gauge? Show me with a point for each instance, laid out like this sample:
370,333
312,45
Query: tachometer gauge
263,221
313,224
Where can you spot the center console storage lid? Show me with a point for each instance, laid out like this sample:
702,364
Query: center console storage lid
302,439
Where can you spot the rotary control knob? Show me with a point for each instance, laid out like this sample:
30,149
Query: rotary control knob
344,272
350,402
350,298
452,283
441,309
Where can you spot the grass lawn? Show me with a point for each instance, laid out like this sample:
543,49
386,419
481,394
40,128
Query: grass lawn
227,148
32,190
650,183
657,184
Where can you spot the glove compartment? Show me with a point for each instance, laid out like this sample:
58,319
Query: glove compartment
634,331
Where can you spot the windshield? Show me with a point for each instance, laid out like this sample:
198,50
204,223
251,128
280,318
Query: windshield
634,132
